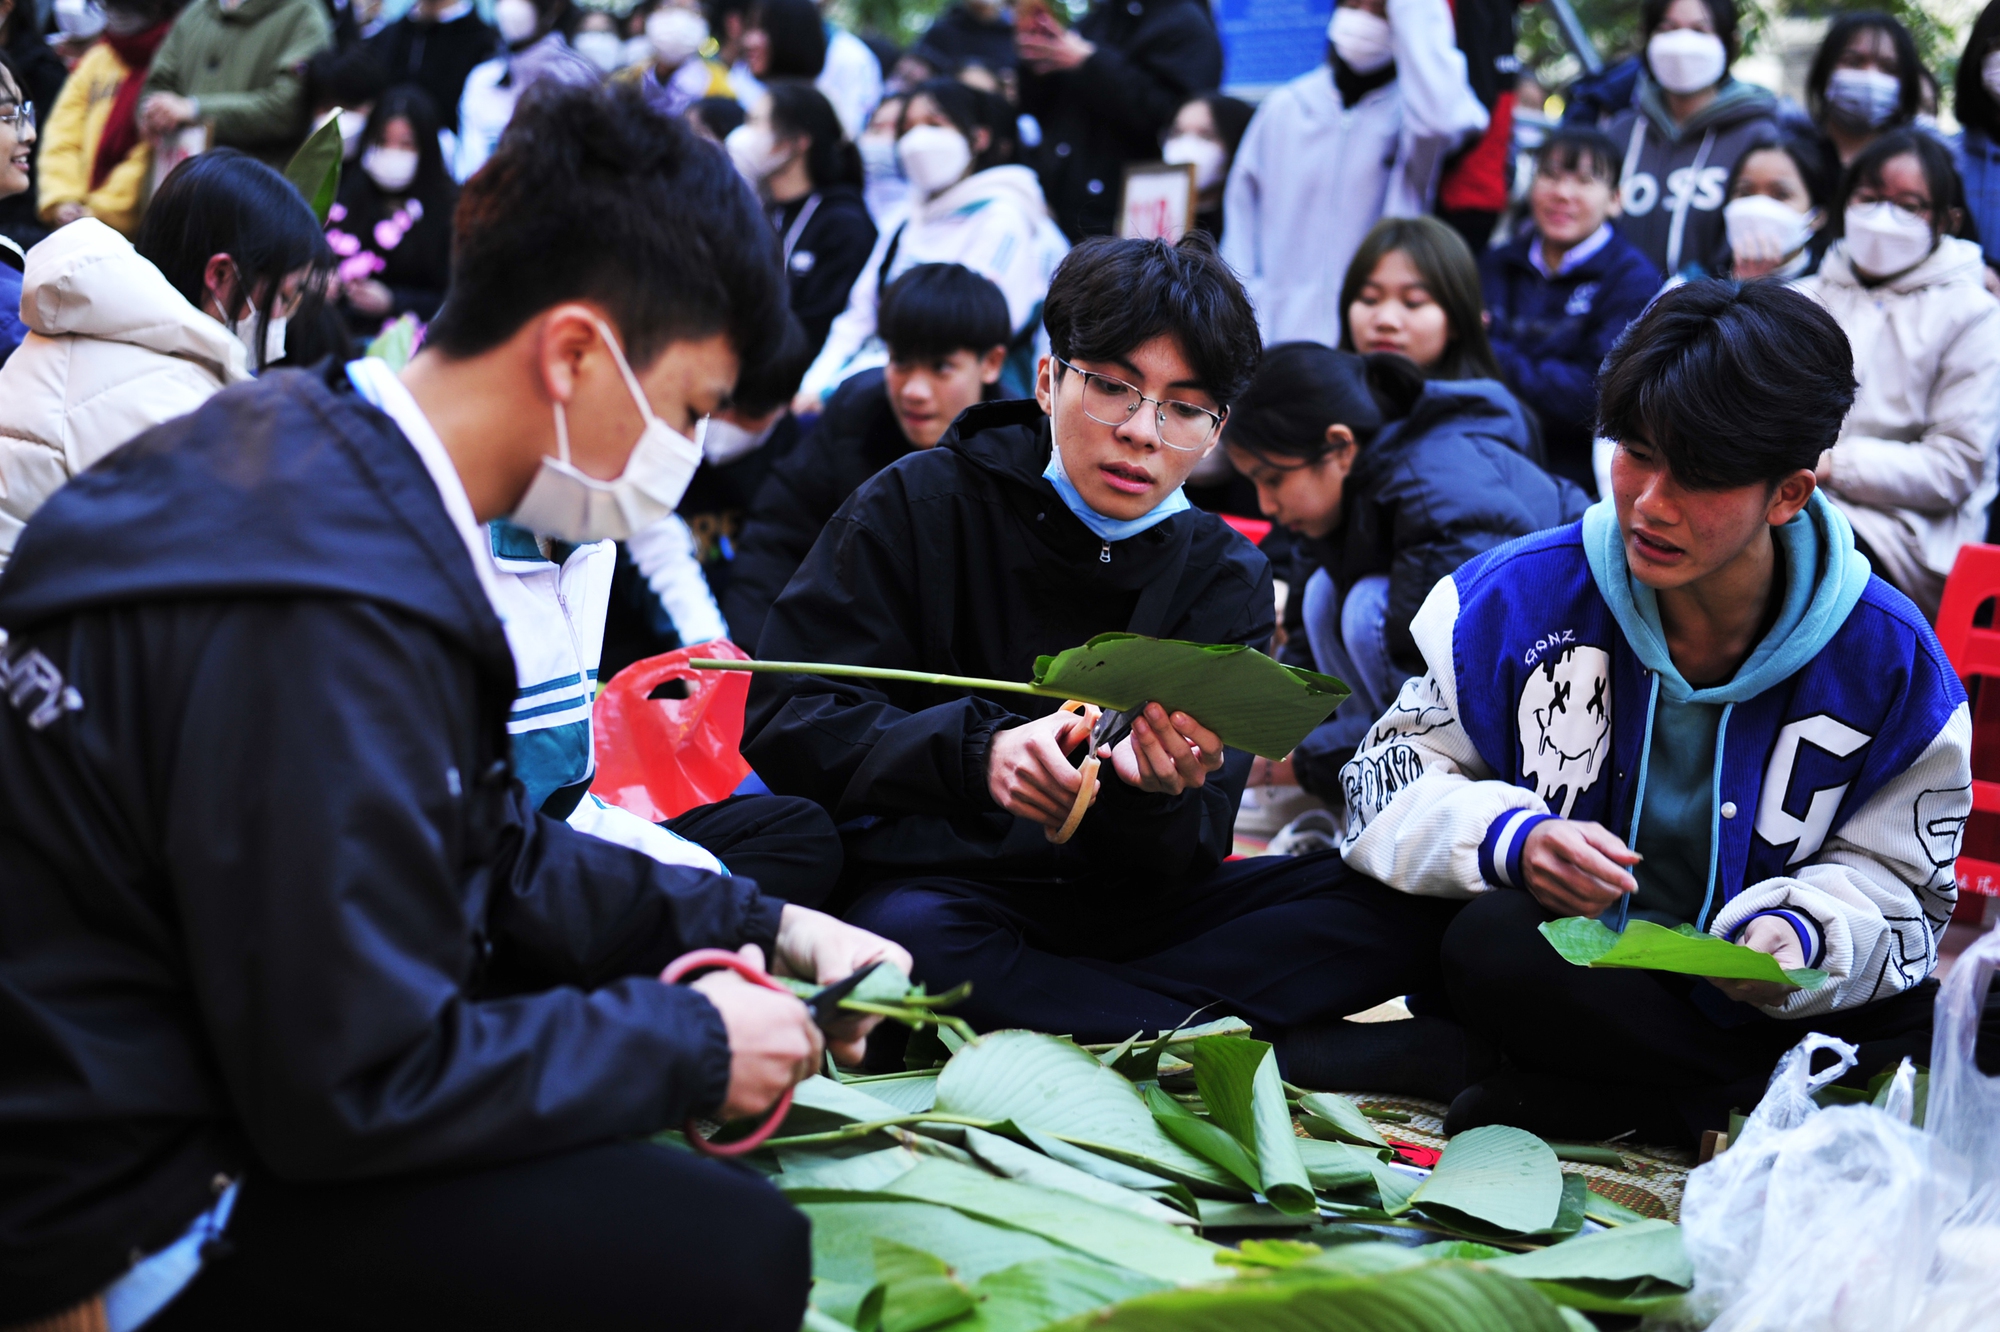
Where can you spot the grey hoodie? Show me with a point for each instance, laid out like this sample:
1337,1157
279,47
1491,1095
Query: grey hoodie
1674,175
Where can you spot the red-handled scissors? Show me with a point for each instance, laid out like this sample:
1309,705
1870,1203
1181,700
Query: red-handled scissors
825,1006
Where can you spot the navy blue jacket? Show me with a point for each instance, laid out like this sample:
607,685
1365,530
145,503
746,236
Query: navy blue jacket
267,885
1452,480
1551,335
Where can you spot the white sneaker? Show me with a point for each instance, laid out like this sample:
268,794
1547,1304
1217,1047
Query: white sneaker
1314,830
1266,809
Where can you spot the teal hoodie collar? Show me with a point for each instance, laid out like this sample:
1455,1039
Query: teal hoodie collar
1818,539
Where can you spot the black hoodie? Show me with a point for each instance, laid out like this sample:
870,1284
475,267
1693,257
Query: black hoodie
962,559
267,885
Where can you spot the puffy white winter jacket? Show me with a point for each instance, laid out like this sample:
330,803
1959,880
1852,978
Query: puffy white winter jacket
1914,470
995,222
1312,175
112,350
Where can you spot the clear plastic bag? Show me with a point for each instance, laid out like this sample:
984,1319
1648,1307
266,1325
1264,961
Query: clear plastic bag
1849,1219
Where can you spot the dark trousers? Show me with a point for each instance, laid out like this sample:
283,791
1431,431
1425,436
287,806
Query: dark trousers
621,1236
1276,941
1675,1036
785,844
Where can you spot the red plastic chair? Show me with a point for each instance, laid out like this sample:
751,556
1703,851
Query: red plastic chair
1975,652
1252,530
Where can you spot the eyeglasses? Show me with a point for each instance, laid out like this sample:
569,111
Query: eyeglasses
21,119
1113,402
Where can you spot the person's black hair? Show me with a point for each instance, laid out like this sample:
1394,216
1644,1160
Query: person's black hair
1112,296
799,108
1301,388
1949,214
772,380
1734,383
153,12
1580,148
227,202
594,196
1231,116
1973,105
1842,31
717,12
1722,13
934,310
1444,261
969,110
718,115
796,35
350,79
408,102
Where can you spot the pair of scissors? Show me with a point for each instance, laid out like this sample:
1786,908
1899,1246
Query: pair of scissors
1107,727
825,1008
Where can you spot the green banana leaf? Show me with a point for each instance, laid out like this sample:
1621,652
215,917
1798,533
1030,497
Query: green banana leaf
396,345
1333,1166
1238,1080
1682,949
315,168
1049,1085
1333,1117
914,1290
1440,1297
1504,1177
846,1225
1209,1140
1118,1237
1028,1166
1644,1249
1251,701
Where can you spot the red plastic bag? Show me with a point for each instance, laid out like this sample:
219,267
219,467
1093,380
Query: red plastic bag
661,757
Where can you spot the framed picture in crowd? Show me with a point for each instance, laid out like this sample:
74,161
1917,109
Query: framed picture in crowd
1158,202
176,148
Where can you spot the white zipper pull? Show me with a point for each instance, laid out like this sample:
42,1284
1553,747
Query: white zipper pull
1104,556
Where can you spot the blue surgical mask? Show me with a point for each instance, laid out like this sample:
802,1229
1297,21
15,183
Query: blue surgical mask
1109,529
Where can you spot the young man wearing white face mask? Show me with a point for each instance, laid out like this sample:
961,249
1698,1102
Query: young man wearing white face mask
1334,151
674,73
1205,135
1914,469
359,1007
1689,125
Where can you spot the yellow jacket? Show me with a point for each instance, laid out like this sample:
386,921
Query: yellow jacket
69,147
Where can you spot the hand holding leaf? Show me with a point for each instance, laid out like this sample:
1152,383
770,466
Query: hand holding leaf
1166,754
1765,934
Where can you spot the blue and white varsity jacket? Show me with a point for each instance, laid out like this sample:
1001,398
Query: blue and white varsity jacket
1842,776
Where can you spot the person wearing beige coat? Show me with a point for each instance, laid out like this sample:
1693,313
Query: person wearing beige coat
112,350
1914,470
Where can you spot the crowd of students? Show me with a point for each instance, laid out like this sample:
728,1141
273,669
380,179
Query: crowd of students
1622,506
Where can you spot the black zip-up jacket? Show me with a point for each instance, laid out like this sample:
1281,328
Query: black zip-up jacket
962,559
267,886
1151,57
856,437
825,256
436,57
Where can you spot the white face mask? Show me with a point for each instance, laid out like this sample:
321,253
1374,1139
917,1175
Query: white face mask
1764,228
79,19
638,51
390,168
1204,155
675,34
1989,73
1867,96
878,156
604,50
244,330
517,20
934,157
1685,61
1884,240
1360,39
564,504
752,150
723,442
353,124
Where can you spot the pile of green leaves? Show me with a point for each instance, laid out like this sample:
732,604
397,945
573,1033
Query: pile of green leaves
1028,1182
